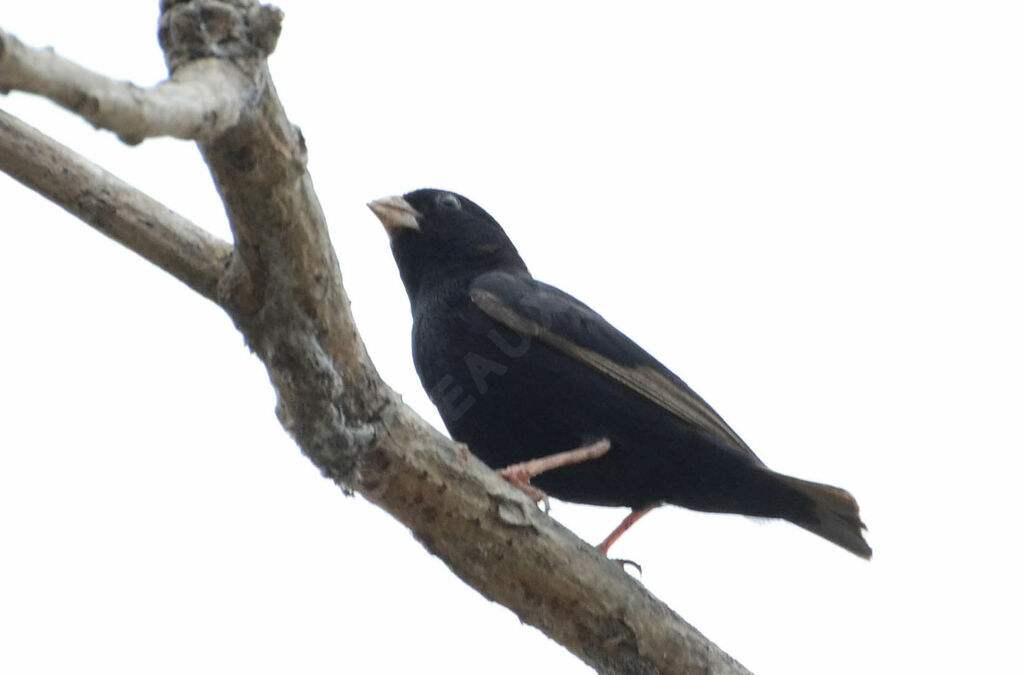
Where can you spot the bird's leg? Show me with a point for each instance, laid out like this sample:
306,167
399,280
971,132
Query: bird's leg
524,471
520,474
634,515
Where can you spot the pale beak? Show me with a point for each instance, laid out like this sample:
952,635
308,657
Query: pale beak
395,213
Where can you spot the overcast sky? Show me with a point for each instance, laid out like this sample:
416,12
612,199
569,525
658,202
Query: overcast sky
812,212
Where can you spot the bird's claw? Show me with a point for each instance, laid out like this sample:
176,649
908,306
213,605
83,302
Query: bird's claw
623,562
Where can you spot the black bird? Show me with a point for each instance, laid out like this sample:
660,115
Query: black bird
519,369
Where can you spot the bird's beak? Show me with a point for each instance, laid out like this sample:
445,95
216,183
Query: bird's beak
395,213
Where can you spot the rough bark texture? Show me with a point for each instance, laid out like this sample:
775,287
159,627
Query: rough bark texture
113,207
282,286
201,100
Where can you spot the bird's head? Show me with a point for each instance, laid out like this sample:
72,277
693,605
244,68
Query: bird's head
438,236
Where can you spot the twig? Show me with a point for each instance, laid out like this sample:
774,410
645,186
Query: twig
200,101
113,207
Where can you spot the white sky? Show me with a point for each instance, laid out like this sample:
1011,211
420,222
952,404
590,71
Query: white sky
810,211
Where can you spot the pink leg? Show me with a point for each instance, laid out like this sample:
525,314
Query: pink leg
635,515
520,474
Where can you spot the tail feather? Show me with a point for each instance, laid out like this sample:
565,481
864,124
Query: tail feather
834,515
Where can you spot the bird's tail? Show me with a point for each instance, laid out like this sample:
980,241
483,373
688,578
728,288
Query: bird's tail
834,515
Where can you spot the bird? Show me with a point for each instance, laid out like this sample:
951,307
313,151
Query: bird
519,369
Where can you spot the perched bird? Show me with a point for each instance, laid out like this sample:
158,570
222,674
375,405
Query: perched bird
519,369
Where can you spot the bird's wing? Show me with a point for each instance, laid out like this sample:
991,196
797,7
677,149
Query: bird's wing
565,324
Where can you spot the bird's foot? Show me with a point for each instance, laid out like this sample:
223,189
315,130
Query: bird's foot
519,478
519,475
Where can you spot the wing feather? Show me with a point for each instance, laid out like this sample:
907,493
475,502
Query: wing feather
646,376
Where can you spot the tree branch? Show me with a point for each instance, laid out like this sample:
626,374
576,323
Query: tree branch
201,99
283,289
113,207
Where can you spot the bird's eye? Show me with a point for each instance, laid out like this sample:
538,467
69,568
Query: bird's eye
449,201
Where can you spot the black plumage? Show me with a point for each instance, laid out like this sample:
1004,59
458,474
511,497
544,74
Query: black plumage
519,369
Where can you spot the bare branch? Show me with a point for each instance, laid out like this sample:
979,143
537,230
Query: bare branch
112,206
283,289
500,543
200,101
